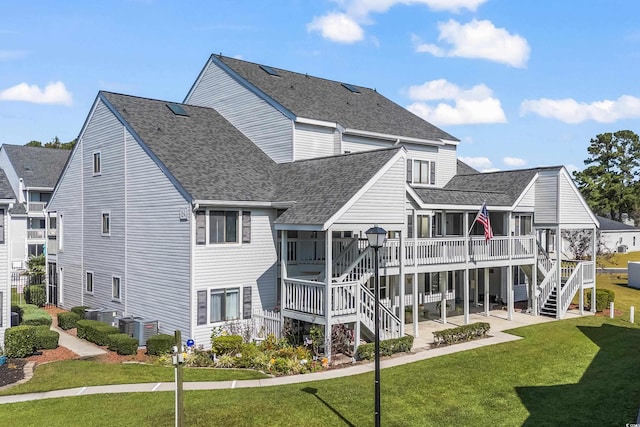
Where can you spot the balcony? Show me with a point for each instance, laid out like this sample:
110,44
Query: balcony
35,206
37,234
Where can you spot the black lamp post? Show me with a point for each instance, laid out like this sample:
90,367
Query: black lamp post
377,236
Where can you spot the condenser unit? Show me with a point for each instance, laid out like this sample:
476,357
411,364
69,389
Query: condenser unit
109,317
126,325
91,313
143,329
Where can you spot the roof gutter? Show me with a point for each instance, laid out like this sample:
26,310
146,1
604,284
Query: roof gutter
395,138
243,203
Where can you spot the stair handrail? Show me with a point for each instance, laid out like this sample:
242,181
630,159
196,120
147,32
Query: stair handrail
544,260
347,250
365,263
546,287
389,322
569,290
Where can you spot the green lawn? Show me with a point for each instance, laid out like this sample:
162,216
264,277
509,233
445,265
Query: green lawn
618,260
573,372
81,373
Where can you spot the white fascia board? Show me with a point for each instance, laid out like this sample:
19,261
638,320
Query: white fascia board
565,173
39,188
299,227
401,154
392,137
526,190
449,207
7,201
240,203
315,122
450,142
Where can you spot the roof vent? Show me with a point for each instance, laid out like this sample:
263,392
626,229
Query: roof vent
177,110
269,70
352,88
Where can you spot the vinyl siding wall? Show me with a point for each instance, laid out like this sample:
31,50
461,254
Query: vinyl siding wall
313,141
383,203
238,265
18,243
446,165
158,242
546,210
268,128
67,203
572,210
528,201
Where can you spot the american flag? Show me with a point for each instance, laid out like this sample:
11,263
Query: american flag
483,218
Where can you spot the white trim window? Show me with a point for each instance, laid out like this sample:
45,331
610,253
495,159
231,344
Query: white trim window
88,284
224,304
424,172
223,226
97,163
115,288
106,224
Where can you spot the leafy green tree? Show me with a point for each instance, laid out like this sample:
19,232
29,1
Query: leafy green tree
610,183
34,144
54,143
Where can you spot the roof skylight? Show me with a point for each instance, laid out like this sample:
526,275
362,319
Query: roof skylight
352,88
269,70
177,109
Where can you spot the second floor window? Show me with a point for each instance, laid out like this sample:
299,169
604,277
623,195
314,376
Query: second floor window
424,172
97,163
106,223
223,226
115,288
89,282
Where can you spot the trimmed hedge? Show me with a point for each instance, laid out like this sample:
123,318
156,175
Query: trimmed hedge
32,315
160,344
95,332
20,341
461,334
45,338
387,347
226,344
68,320
122,344
35,294
79,310
603,298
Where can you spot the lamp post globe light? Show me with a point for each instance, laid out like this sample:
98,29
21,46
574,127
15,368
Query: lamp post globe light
377,237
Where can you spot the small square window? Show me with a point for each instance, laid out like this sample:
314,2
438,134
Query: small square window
89,283
115,288
106,224
97,163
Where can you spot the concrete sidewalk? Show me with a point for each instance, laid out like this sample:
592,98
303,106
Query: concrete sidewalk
80,347
421,349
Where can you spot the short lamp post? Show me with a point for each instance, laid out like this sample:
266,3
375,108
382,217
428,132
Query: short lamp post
377,236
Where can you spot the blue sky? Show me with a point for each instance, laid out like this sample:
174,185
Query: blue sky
521,83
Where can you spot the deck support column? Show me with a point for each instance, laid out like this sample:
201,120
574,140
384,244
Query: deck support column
593,272
486,291
415,302
534,287
510,292
328,260
475,288
558,270
284,257
466,296
401,284
444,285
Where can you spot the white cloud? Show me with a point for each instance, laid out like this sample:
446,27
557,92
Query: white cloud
363,8
7,55
53,93
475,105
337,27
478,39
483,164
569,110
514,161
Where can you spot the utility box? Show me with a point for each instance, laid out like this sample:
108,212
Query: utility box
633,268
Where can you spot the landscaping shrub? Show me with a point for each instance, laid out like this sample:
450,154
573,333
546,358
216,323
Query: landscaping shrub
387,347
95,332
461,334
122,344
20,341
226,344
603,298
79,310
160,344
68,320
45,338
32,315
200,359
35,294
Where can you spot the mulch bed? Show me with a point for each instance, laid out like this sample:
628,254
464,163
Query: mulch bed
12,371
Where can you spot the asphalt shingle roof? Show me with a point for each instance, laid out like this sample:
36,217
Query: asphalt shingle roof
37,166
6,192
464,169
321,99
320,187
212,160
441,196
607,224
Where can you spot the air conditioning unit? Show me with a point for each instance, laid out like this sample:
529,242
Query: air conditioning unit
91,313
109,317
127,324
622,249
143,329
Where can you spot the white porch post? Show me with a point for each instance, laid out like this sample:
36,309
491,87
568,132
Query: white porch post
486,291
444,285
466,296
414,311
401,284
559,270
593,273
284,257
475,287
328,260
510,292
534,287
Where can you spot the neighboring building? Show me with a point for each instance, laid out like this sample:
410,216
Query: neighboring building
7,200
257,191
32,173
616,236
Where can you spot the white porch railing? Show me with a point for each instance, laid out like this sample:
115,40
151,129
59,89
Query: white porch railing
547,286
489,250
588,272
570,288
266,323
36,234
360,269
35,206
304,296
344,298
389,323
523,246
